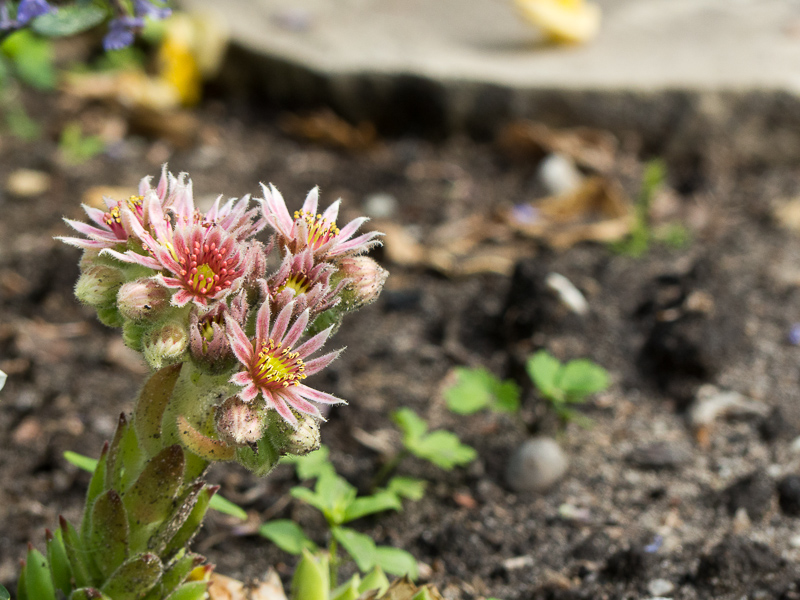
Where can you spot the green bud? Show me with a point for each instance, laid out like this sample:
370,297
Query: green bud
165,345
98,286
142,299
304,439
311,579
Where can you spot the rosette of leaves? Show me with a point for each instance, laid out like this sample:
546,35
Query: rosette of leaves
144,504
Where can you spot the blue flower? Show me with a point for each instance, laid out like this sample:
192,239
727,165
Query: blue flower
120,32
144,8
30,9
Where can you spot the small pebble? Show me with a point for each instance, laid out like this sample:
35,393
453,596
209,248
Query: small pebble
27,183
794,541
660,587
570,296
559,174
536,465
659,455
380,206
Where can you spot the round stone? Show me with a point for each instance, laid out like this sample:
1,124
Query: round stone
536,465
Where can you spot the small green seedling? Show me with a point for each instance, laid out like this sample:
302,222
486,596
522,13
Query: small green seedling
76,148
564,384
441,447
478,389
339,503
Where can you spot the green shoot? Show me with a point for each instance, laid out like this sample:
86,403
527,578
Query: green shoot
564,384
339,503
440,447
477,389
638,242
77,148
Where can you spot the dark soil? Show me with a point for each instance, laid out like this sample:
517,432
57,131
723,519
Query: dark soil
654,502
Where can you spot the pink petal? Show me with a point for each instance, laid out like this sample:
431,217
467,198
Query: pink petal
332,212
275,207
240,345
314,344
82,243
281,323
242,378
296,330
161,189
133,258
95,214
280,406
182,298
361,243
316,365
317,396
349,229
311,202
93,232
249,393
262,322
297,402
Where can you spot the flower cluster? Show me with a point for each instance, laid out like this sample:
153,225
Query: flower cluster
195,288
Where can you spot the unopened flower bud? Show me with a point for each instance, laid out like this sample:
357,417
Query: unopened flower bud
366,280
142,299
165,345
208,343
98,286
239,423
304,439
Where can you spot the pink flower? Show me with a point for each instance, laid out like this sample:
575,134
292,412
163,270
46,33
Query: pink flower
109,229
308,229
274,368
308,285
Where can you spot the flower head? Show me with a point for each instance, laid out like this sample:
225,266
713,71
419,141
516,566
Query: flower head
274,368
143,8
30,9
108,230
309,229
304,283
121,32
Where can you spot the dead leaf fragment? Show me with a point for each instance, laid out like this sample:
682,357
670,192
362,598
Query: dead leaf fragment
528,140
27,183
227,588
327,128
598,211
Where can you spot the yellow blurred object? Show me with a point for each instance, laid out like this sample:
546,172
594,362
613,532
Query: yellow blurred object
562,21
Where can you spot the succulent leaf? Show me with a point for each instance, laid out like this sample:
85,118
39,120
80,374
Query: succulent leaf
88,594
149,500
192,524
96,487
134,578
178,571
79,560
59,563
109,532
311,580
194,590
38,584
201,445
152,403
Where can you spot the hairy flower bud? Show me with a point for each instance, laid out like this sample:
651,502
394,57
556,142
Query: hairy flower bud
239,423
304,439
165,345
98,286
366,280
142,299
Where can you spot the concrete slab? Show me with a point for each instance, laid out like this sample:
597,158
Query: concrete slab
474,63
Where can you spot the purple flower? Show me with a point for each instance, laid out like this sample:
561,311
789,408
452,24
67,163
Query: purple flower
6,22
794,335
30,9
120,32
143,8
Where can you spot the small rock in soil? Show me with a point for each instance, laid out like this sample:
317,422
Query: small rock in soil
380,206
536,465
593,548
559,174
627,565
660,587
789,495
752,492
659,455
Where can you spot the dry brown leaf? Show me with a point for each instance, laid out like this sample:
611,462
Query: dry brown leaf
592,148
597,211
227,588
327,128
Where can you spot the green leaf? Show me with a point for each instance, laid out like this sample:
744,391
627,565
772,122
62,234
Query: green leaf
176,573
134,578
543,369
410,423
348,590
312,465
287,535
396,561
32,57
109,531
311,580
335,495
227,507
59,563
443,449
38,583
471,392
408,487
150,498
77,148
80,461
193,590
359,546
4,595
191,525
69,20
506,397
368,505
374,580
582,377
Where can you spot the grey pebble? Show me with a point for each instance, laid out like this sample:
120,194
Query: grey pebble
536,465
660,587
380,205
659,455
